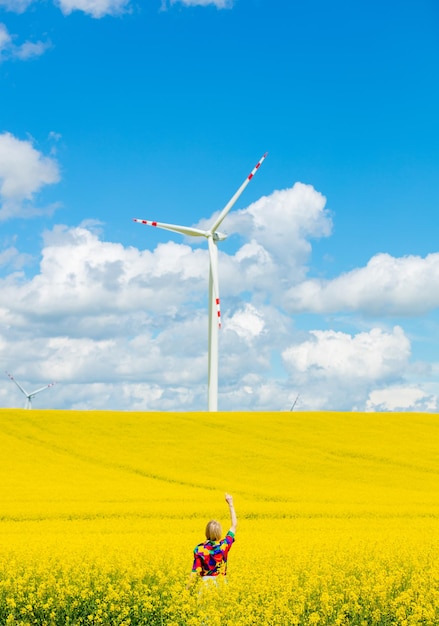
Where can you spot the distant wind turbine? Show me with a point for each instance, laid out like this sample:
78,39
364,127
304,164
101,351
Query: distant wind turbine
212,236
29,396
295,402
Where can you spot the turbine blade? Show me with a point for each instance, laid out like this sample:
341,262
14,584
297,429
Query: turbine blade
234,198
183,230
18,384
34,393
213,253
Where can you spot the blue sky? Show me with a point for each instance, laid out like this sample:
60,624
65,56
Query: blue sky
114,109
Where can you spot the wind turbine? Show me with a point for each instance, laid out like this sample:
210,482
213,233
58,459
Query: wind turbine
29,396
213,236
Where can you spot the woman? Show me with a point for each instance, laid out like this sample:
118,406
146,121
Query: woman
210,557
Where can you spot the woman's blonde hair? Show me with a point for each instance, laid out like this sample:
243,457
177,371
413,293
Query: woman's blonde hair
213,530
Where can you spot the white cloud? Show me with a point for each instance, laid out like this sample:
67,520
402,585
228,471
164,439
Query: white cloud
18,6
336,370
13,258
24,171
88,273
247,323
5,38
401,398
276,232
95,8
30,49
98,313
256,392
367,356
220,4
280,226
386,286
100,8
23,52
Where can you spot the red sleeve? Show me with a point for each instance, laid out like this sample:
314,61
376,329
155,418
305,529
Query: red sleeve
197,566
226,543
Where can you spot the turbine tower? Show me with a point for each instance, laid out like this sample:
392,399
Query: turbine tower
29,396
213,236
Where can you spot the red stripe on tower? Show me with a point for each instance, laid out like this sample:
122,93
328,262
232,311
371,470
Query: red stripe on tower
218,312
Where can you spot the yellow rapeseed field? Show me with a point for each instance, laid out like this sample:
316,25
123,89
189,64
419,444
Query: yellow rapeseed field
100,511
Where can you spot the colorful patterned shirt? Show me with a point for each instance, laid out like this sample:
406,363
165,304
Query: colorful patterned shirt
210,558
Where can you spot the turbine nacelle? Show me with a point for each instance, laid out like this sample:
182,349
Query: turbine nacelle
216,236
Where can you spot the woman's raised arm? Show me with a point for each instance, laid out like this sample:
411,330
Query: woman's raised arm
233,518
